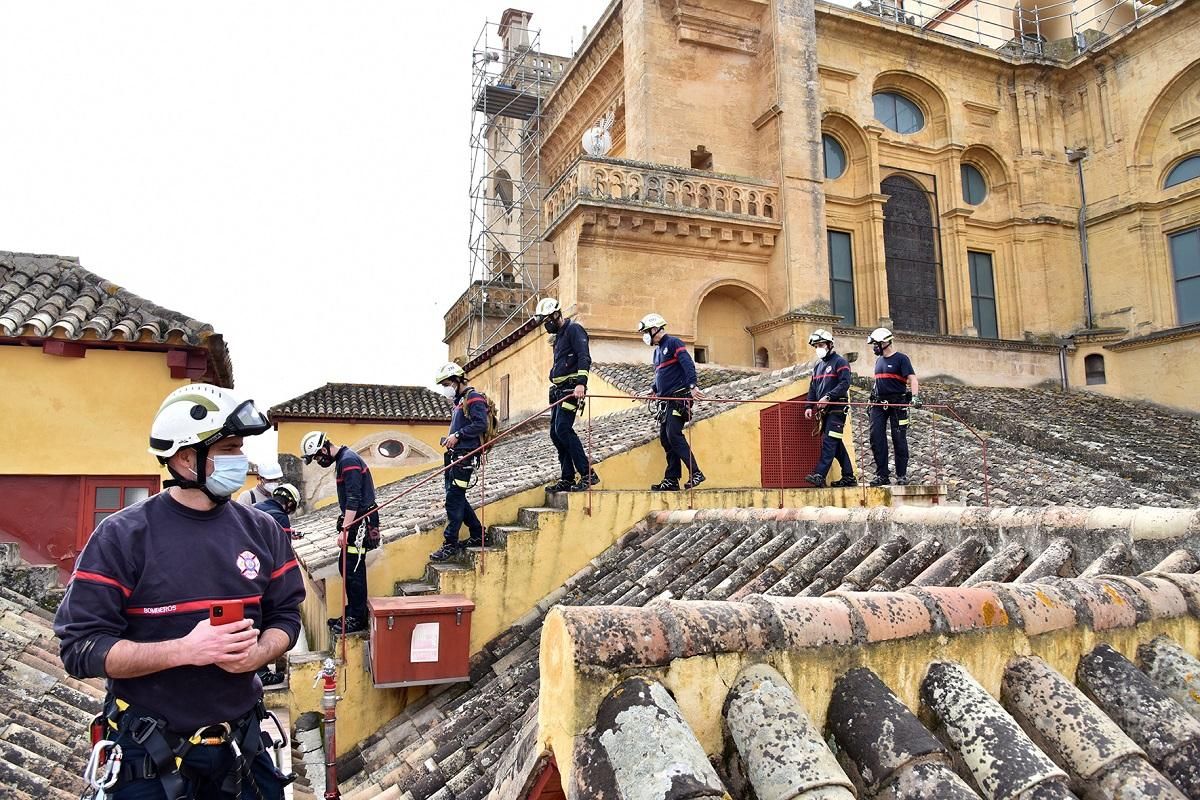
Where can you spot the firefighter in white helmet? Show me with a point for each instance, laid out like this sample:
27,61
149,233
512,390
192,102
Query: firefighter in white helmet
895,390
146,589
270,475
569,370
675,383
828,393
358,524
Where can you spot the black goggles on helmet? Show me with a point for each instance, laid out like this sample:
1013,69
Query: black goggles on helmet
246,420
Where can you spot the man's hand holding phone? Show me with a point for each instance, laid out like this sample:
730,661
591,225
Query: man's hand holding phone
226,639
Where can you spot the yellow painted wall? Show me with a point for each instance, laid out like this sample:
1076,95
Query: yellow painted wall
1163,373
80,416
422,451
527,365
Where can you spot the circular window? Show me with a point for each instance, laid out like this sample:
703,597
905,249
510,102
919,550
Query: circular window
974,186
898,112
390,448
835,157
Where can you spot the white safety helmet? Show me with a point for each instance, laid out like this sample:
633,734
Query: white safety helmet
820,335
270,471
652,321
311,444
449,370
287,493
200,414
880,336
546,306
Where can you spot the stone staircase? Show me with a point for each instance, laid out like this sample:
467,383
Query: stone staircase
39,582
477,560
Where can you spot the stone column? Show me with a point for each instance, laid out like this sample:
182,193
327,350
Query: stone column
805,261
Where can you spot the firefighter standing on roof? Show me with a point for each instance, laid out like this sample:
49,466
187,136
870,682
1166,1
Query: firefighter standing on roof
182,699
568,383
675,385
358,525
895,390
467,427
828,393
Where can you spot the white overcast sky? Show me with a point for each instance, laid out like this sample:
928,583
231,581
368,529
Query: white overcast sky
294,173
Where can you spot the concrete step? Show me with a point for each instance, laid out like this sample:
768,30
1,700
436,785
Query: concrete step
413,588
498,534
528,517
10,553
557,500
434,572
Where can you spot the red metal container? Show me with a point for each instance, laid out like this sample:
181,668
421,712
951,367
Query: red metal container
789,447
420,640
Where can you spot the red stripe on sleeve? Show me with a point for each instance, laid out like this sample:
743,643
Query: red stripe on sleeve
352,468
668,363
96,577
891,375
289,565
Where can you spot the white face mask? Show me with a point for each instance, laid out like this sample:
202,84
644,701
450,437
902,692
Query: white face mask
822,352
448,392
228,474
270,486
647,338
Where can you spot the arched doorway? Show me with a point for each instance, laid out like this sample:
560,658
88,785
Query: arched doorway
721,326
910,243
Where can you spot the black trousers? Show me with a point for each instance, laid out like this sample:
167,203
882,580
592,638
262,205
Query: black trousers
353,568
896,418
572,459
833,445
458,510
675,413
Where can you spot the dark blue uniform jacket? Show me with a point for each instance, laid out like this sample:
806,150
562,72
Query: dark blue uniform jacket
830,378
470,419
572,358
891,374
150,573
674,370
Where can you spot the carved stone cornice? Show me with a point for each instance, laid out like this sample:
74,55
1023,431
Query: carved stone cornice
673,230
795,318
1157,338
725,24
578,76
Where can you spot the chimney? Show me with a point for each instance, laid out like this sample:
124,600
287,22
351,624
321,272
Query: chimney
514,28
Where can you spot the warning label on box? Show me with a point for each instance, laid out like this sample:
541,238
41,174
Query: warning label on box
424,643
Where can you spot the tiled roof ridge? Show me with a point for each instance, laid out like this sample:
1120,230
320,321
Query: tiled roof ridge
31,266
623,637
635,377
382,401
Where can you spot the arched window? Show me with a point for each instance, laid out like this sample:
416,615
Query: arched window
898,112
835,157
761,358
974,186
1093,369
504,188
1186,170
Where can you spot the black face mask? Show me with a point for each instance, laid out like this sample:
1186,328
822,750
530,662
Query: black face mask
551,325
877,349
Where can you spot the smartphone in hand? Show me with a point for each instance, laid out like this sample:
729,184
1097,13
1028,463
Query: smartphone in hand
222,612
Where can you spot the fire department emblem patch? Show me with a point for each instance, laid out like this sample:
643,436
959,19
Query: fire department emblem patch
248,565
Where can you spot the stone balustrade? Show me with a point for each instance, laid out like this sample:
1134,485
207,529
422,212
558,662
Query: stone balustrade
611,181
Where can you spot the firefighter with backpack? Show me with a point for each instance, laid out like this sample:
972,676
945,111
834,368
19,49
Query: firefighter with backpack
471,426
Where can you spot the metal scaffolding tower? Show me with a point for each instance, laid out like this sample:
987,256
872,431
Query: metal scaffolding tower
510,79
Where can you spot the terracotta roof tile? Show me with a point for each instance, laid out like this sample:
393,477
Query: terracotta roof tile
637,379
53,297
701,554
366,401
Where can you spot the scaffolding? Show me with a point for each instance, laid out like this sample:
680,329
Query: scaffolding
510,78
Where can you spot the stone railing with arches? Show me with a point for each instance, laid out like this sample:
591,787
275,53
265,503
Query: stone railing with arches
659,187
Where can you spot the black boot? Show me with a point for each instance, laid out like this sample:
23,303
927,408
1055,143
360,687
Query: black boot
694,480
475,541
666,485
560,485
446,552
845,480
881,480
817,480
902,480
583,484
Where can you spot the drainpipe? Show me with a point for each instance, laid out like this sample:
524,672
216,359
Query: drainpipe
1062,367
1076,156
